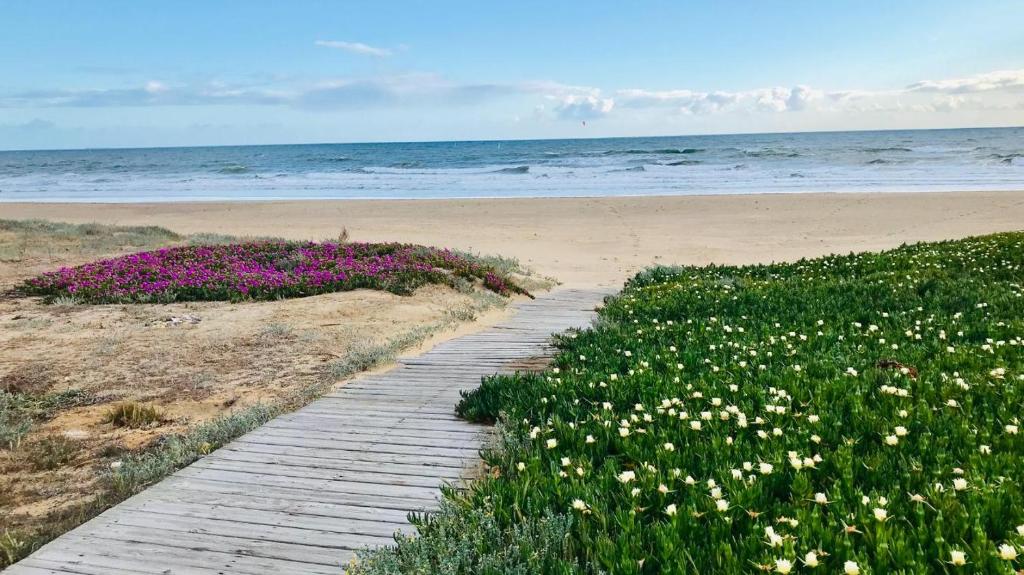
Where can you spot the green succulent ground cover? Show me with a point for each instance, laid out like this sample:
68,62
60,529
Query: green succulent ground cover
849,414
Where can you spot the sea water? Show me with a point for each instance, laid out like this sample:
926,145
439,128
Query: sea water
880,161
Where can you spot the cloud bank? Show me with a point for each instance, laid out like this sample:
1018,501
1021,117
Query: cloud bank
998,90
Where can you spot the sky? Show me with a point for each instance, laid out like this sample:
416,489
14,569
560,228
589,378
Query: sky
145,73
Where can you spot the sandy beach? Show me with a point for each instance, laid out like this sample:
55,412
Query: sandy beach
592,241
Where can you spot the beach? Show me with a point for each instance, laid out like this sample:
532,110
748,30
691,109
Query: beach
591,242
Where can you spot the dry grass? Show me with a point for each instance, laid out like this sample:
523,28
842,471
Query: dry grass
133,414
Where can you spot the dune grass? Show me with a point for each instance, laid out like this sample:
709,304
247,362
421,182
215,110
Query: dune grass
22,239
850,414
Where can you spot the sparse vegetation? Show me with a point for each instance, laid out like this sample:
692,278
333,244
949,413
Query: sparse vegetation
135,471
133,414
368,355
461,313
23,239
50,452
14,422
512,267
19,411
13,546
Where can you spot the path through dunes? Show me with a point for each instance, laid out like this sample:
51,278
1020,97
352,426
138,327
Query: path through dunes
305,491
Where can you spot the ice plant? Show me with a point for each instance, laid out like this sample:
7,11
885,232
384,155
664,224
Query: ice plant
264,270
867,460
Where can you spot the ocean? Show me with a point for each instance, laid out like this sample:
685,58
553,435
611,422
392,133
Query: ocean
882,161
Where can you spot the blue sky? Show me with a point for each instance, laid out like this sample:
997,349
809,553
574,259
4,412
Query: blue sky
91,74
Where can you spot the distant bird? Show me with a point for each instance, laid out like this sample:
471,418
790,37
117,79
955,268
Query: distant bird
584,123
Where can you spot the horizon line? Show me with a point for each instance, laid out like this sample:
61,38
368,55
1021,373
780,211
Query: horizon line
486,140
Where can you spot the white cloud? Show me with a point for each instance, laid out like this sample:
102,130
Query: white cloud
693,102
583,107
355,48
1000,80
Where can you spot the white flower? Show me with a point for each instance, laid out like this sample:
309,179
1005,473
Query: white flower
811,559
689,480
695,425
662,488
1020,530
579,505
1011,429
900,431
623,431
670,510
1007,552
520,466
552,443
959,484
783,566
722,505
627,476
669,447
958,558
851,568
880,514
590,439
985,449
765,468
820,498
891,440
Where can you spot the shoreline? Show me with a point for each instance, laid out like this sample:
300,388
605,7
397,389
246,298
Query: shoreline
378,198
589,241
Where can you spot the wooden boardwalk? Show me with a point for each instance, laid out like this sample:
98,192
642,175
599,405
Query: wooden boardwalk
305,491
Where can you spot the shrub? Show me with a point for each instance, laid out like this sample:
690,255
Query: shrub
854,413
132,414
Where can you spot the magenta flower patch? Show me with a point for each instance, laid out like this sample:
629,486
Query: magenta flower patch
264,270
